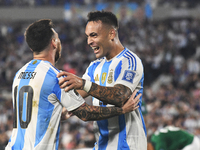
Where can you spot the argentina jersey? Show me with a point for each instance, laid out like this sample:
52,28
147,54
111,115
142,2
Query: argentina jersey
128,131
38,102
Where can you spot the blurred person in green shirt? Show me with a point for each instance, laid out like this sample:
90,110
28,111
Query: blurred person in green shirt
173,138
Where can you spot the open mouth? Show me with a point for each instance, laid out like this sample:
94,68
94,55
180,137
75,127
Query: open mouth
96,49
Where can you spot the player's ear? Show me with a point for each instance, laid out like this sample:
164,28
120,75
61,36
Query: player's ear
54,42
112,34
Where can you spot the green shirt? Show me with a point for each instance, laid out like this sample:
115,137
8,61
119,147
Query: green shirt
171,138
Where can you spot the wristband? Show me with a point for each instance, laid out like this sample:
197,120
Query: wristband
87,86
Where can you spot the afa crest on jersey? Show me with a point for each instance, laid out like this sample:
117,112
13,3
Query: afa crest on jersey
128,76
110,76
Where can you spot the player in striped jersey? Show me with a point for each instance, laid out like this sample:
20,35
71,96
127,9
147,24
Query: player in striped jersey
173,138
38,100
111,79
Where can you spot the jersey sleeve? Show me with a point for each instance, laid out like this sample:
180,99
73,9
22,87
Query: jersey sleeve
71,100
131,75
87,75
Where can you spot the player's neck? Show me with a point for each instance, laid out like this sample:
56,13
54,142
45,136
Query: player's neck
116,49
46,56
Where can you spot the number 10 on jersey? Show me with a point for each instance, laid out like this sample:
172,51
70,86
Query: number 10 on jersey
23,107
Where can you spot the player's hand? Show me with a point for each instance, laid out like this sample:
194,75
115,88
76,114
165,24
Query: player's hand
65,114
70,81
132,103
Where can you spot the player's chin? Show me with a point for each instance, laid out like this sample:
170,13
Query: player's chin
98,55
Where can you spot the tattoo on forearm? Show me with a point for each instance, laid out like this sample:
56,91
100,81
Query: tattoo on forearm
91,113
116,95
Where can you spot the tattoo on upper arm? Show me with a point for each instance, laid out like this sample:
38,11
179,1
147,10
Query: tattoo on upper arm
91,113
116,95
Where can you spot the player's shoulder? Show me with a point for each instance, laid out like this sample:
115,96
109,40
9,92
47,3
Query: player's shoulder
42,66
129,53
23,68
130,56
47,66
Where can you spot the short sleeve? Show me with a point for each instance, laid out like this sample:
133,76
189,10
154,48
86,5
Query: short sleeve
131,76
71,100
86,75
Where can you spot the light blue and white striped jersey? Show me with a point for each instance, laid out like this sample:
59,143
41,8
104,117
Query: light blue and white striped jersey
38,102
128,131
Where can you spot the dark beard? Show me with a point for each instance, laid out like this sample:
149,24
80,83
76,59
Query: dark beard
58,53
57,57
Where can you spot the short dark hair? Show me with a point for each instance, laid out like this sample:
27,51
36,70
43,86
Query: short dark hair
104,16
39,34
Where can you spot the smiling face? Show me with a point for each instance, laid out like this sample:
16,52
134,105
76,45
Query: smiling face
99,38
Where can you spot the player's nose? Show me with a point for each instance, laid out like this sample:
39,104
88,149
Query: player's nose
89,41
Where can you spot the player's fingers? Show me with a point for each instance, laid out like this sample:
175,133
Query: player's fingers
136,104
63,73
133,95
61,81
67,83
136,100
64,79
69,87
137,97
68,115
64,84
136,107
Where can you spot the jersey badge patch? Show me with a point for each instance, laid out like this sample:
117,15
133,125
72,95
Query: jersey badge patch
110,76
103,78
128,76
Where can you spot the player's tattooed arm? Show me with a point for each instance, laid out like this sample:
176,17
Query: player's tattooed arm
116,95
91,113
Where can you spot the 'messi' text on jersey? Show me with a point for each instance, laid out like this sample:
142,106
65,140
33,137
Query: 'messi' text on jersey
27,75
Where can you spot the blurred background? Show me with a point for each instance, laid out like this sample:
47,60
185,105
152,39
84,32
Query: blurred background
165,34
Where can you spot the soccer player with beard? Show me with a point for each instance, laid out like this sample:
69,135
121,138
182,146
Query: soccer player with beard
111,79
38,100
